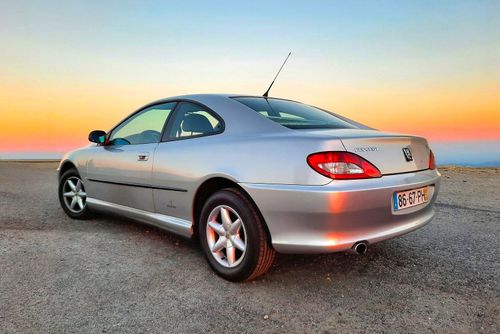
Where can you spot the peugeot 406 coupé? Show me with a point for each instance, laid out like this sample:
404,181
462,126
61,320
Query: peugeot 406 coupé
250,176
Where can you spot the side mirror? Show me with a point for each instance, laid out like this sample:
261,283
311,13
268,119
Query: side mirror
97,136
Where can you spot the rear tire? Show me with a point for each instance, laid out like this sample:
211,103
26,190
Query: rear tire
72,195
237,247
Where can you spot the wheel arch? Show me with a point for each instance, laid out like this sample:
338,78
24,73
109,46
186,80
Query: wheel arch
65,166
210,187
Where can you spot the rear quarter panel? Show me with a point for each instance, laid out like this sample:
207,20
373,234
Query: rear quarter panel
264,159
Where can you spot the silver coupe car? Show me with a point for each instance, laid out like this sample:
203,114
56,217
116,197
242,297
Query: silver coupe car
250,176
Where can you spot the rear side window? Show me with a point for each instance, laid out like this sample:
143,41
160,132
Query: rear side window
193,120
295,115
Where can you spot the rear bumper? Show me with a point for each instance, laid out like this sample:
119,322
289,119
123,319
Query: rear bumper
333,217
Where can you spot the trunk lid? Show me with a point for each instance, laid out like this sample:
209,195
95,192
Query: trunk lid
390,153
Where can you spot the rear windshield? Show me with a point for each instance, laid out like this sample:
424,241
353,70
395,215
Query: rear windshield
295,115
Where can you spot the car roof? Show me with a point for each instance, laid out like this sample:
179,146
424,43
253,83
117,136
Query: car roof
238,117
241,118
210,96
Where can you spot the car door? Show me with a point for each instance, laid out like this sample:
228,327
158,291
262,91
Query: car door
120,171
176,165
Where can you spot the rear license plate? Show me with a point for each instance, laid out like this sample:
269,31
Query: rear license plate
409,198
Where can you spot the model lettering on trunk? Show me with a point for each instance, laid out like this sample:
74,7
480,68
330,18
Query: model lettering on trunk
366,149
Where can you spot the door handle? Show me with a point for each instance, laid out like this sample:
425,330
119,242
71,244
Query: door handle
143,156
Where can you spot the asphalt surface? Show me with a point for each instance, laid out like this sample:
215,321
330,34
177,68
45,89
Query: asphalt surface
112,275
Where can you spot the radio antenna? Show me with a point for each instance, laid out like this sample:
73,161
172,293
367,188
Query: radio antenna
267,91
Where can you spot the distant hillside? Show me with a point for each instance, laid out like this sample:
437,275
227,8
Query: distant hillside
468,164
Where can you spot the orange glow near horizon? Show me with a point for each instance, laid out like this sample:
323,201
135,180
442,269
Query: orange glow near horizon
439,114
58,118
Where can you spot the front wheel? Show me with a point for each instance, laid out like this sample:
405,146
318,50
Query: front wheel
233,236
72,195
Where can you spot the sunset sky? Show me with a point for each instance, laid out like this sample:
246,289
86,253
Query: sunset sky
430,68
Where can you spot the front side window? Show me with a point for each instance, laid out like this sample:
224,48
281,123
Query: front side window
144,127
193,120
295,115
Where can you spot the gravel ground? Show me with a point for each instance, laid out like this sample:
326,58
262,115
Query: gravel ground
110,274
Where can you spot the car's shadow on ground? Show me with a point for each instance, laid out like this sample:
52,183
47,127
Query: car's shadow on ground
129,225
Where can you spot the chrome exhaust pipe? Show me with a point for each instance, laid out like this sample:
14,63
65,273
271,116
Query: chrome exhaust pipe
360,247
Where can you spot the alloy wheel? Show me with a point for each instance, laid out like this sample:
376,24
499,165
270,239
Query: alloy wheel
74,194
226,236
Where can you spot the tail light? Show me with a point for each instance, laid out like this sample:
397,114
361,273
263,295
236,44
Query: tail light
342,165
432,160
